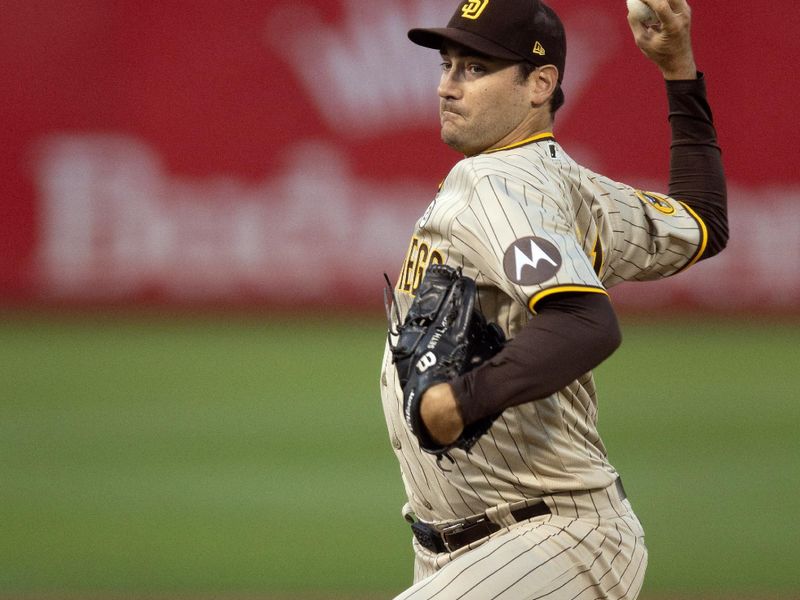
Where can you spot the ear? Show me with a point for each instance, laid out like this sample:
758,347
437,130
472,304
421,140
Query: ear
542,84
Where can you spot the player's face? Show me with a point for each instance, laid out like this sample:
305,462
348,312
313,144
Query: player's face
483,104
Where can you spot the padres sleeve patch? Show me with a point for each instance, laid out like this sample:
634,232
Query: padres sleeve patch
531,261
658,201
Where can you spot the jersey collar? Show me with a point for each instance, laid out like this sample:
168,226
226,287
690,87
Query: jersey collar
547,135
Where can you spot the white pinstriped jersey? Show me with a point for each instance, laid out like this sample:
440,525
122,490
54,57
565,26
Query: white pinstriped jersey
527,221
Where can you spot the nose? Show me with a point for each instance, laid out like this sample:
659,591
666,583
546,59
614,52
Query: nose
448,85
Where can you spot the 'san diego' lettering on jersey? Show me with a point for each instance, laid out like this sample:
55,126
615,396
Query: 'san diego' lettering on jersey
419,256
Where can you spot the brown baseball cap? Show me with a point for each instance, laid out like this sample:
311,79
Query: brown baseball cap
520,30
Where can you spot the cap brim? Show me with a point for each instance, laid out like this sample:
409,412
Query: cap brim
435,37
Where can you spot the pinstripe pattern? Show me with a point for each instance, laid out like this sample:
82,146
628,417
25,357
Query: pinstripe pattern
591,547
605,234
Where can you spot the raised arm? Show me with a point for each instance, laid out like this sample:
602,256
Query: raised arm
696,173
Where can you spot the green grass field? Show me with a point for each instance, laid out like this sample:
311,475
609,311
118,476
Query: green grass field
234,456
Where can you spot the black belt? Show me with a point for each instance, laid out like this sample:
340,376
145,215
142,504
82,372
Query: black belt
450,539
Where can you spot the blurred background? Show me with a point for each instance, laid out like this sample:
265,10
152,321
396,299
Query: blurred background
197,203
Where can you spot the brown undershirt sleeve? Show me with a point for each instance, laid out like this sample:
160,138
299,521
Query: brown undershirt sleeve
570,335
696,176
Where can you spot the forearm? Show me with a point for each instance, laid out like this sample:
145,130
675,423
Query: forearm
696,172
570,335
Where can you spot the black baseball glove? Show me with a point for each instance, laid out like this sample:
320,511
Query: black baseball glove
442,336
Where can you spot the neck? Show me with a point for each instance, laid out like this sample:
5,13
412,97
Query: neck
536,124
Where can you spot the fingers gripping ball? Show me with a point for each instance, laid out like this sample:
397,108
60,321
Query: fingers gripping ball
442,336
641,12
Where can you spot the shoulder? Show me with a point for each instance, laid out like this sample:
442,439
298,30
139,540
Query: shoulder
513,164
536,168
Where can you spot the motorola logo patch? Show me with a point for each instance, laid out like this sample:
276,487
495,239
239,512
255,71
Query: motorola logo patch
531,260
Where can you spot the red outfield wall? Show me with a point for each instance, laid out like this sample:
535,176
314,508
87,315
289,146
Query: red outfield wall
276,153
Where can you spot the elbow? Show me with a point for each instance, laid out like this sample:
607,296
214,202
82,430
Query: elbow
723,234
715,217
612,338
606,332
718,235
722,243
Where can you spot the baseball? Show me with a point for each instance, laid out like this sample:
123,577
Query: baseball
641,12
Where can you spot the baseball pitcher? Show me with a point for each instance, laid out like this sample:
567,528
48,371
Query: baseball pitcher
500,312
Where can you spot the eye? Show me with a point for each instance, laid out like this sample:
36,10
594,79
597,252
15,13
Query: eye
476,69
446,66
